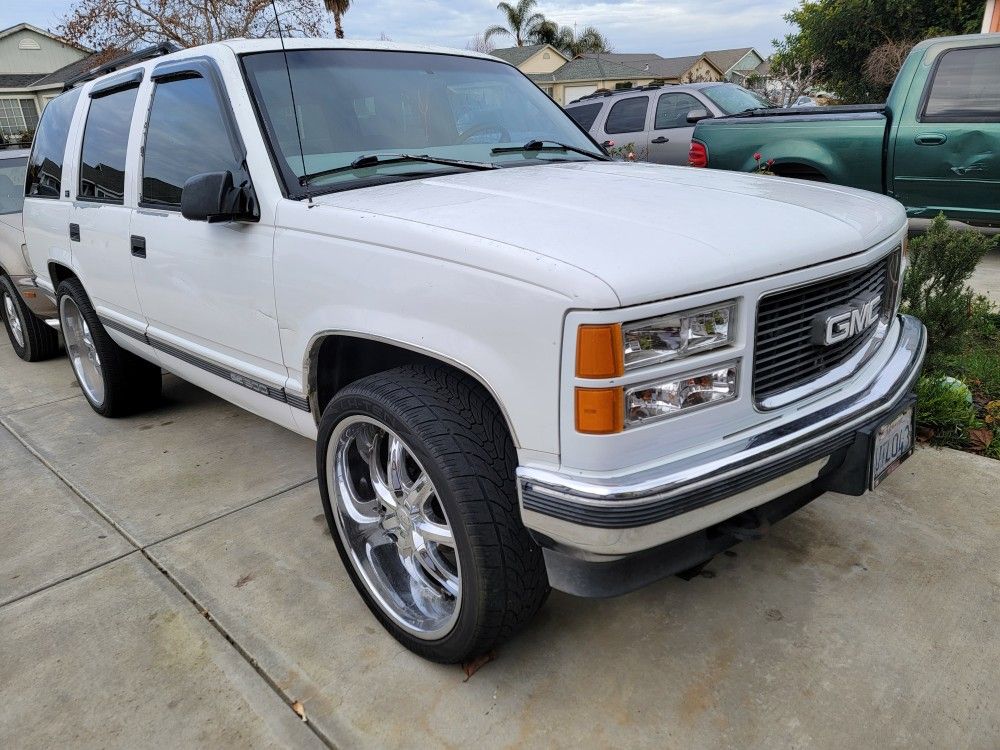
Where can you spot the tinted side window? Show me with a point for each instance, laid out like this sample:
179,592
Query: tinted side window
672,110
12,185
628,115
105,140
585,114
46,161
187,135
966,87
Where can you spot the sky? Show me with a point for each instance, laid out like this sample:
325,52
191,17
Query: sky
666,27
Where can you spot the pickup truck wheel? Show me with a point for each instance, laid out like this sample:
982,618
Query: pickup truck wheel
416,472
33,340
114,381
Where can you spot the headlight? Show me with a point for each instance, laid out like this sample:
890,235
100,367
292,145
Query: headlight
683,393
680,334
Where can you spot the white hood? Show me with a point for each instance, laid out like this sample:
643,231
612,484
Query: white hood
650,232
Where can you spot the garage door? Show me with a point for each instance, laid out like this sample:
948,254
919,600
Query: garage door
572,93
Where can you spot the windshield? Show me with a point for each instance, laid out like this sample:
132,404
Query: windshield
354,103
733,99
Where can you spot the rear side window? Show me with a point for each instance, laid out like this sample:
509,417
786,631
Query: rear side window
585,114
105,141
628,115
46,161
12,185
187,135
966,87
672,111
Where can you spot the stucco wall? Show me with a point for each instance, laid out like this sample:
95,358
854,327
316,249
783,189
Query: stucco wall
539,63
701,71
50,56
559,89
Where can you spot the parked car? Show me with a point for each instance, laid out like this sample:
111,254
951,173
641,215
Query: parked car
31,338
659,120
510,388
934,145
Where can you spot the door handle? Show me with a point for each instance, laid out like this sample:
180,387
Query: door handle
74,232
138,246
930,139
661,139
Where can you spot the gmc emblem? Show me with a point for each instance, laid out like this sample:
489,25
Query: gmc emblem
842,323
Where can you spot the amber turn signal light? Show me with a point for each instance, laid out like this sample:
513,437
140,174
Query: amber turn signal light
600,411
600,352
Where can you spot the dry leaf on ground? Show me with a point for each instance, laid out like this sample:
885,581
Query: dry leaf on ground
471,667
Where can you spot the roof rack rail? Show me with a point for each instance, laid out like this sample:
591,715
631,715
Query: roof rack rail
147,53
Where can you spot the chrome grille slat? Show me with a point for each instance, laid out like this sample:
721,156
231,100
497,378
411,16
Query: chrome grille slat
784,355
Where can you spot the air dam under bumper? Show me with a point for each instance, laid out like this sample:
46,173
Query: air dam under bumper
606,536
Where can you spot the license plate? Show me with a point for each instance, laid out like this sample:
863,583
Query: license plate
892,445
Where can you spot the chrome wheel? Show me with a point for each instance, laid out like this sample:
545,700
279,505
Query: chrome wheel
13,320
81,350
394,527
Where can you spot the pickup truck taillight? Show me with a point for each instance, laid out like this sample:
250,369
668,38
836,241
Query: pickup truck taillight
698,155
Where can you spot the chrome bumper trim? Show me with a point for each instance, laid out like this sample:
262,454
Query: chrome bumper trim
39,300
653,495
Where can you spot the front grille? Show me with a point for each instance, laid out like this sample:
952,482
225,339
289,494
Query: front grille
784,355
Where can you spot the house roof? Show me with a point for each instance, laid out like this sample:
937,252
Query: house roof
28,27
18,80
726,59
651,65
590,69
67,72
517,55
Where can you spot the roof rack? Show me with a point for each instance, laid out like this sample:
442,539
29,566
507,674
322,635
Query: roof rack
609,92
147,53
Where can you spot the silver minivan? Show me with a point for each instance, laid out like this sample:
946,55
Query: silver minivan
659,120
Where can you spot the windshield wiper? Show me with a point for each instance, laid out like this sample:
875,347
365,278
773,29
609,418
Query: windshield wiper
547,145
376,160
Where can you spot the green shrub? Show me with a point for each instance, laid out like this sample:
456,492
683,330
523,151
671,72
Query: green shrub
946,409
935,287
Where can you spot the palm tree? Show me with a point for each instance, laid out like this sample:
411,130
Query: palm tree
521,21
589,40
545,32
337,9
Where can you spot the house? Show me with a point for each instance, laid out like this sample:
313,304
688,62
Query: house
585,75
669,70
991,17
736,64
34,66
533,58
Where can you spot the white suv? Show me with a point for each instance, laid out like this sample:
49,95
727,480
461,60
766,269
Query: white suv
525,365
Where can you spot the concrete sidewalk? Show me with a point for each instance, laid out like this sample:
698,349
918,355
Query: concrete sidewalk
168,581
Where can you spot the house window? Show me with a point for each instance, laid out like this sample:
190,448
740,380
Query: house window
17,116
623,85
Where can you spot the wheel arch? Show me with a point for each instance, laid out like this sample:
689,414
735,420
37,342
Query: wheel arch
58,273
335,359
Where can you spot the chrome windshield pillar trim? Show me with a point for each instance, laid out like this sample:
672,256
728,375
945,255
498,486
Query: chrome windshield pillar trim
674,488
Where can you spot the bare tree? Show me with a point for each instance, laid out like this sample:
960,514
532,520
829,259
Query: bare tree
884,62
479,43
125,24
797,76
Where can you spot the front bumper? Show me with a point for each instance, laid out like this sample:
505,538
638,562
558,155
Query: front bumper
600,520
40,301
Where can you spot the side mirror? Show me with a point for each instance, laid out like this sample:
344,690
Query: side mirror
696,115
212,197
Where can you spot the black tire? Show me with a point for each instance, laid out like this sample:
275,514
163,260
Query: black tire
459,437
131,384
39,340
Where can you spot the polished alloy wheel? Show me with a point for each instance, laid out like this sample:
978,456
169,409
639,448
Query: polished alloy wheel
13,320
81,350
394,527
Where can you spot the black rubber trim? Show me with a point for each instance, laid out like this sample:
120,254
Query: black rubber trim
110,86
278,394
631,516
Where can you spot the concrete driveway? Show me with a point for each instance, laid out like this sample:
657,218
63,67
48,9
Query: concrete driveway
169,581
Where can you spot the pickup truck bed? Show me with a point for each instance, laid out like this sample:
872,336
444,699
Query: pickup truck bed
934,145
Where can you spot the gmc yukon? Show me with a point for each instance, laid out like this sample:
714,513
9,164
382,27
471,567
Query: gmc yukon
413,256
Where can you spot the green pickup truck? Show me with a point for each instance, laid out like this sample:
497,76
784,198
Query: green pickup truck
934,145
